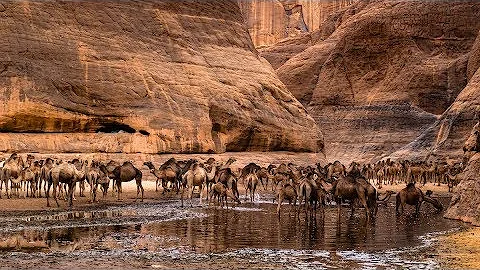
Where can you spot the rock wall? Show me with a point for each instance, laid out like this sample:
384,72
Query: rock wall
379,73
141,76
465,204
270,21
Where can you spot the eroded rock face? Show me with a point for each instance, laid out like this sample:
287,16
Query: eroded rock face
446,137
141,76
378,74
270,21
465,203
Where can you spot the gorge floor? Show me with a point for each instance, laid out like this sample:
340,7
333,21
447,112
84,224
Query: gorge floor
161,234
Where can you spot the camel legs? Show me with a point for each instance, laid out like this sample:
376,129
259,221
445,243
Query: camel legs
417,208
280,200
399,204
119,189
139,188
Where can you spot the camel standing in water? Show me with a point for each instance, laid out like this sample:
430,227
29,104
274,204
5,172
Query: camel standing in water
125,173
252,182
412,195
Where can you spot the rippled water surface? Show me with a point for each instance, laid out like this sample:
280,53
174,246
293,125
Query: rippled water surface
164,235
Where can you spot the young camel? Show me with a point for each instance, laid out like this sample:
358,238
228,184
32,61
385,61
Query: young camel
221,192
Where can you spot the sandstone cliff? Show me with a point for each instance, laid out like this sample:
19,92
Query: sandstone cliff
140,76
379,73
446,136
465,204
270,21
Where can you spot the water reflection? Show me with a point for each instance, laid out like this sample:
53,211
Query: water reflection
150,228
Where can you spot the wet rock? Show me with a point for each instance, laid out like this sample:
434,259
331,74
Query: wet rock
141,76
379,73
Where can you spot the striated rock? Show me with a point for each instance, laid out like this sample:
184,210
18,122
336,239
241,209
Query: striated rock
141,76
445,138
379,73
474,59
465,204
270,21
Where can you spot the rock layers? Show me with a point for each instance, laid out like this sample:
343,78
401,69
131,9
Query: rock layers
270,21
379,73
465,204
141,76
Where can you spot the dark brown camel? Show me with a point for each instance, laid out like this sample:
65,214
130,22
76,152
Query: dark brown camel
229,179
347,188
125,173
412,195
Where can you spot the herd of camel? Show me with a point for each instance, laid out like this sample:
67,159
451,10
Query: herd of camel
311,186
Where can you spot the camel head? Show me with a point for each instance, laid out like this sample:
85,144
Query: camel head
149,164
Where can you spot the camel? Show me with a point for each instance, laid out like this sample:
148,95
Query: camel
68,174
412,195
30,176
221,192
164,176
211,177
252,182
97,175
228,178
44,173
336,169
415,174
125,173
229,162
111,166
11,171
350,189
196,176
285,192
311,194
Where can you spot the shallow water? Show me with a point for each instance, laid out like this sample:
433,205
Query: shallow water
158,235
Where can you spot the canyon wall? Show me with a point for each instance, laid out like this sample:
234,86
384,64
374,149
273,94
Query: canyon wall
141,76
378,74
270,21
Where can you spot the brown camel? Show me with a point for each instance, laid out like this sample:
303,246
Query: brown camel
196,176
68,174
336,169
311,195
11,172
412,195
229,179
164,176
221,192
285,191
44,174
347,188
252,182
125,173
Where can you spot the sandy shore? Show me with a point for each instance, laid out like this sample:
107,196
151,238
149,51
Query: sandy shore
460,250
